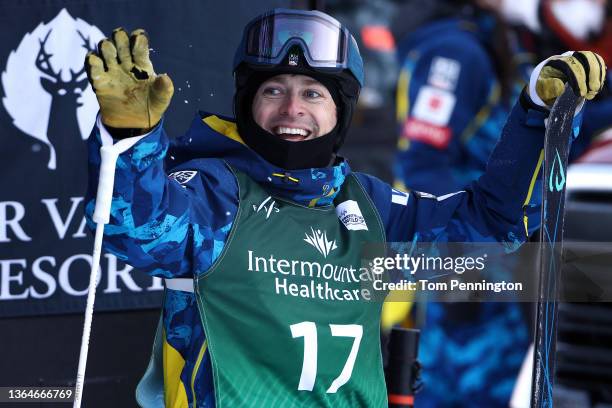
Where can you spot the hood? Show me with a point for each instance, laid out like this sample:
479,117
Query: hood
480,26
215,136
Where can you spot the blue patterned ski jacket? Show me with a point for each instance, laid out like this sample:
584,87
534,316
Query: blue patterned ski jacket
174,203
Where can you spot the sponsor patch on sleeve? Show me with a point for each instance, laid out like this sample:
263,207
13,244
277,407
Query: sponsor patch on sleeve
436,136
444,73
399,197
350,214
183,176
434,106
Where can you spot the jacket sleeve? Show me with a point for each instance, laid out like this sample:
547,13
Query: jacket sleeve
443,86
493,208
597,120
166,226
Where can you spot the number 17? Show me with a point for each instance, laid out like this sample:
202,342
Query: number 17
308,330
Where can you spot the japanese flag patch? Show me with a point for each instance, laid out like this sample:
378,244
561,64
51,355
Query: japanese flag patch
434,106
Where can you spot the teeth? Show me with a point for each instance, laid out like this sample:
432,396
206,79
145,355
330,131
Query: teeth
291,131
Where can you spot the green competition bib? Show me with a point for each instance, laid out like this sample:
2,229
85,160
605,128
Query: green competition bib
285,307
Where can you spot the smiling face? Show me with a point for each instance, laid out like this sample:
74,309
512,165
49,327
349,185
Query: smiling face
294,107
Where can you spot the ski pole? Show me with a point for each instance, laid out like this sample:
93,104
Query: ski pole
556,150
403,368
109,154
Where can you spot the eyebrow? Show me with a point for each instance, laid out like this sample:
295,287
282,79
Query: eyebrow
308,81
312,81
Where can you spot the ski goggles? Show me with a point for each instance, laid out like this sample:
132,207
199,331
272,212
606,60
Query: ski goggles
324,41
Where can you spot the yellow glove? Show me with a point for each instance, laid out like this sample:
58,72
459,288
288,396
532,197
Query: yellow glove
129,92
584,70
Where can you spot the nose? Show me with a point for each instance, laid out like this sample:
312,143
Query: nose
292,106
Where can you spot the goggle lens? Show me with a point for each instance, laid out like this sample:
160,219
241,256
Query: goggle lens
325,41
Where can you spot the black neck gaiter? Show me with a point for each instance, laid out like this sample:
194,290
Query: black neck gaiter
314,153
318,152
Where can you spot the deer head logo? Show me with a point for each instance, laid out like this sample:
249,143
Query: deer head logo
45,86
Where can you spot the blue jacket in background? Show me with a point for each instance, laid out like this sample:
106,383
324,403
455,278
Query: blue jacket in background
449,105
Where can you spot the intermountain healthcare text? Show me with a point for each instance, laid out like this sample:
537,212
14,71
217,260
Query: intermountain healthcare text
318,281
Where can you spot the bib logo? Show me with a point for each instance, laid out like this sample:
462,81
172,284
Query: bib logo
267,209
319,240
46,91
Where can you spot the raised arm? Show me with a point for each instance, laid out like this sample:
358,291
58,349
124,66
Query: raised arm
494,207
157,224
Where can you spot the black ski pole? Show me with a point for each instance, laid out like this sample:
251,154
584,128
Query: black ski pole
556,150
403,375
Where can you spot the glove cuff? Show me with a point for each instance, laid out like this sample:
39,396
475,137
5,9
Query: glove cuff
532,94
533,80
108,138
529,104
124,133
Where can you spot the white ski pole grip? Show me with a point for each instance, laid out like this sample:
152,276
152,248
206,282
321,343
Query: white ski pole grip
109,153
106,182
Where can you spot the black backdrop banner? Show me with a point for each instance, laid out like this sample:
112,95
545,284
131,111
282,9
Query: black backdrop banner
47,111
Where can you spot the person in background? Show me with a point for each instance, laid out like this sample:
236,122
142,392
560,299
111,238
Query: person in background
462,53
459,76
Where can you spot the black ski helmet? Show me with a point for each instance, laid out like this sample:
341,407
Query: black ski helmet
285,41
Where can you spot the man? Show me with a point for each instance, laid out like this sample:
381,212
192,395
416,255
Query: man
255,214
